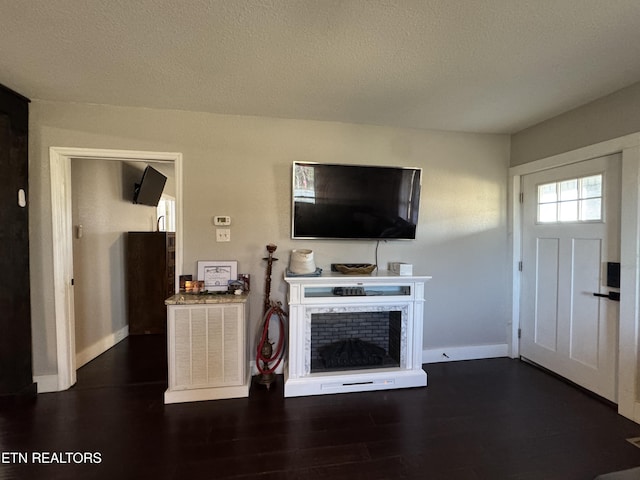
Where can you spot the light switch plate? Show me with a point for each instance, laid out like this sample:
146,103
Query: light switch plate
223,235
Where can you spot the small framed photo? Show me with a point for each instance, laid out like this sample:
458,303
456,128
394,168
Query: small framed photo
217,274
183,282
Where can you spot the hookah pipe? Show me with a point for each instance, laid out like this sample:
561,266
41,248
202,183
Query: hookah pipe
267,286
264,350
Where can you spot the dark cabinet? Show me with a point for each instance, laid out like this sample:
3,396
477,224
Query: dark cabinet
16,369
150,280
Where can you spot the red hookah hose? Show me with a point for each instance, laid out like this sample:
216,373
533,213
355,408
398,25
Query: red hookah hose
265,338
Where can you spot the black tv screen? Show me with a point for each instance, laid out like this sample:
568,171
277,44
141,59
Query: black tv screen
149,190
355,201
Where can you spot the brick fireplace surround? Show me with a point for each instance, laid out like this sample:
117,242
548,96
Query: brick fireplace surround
384,309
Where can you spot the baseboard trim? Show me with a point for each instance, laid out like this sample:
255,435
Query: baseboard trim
471,352
47,383
101,346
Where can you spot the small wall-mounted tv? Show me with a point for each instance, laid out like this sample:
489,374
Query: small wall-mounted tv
354,201
149,190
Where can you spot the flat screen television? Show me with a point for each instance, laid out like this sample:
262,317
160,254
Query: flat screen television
149,190
354,201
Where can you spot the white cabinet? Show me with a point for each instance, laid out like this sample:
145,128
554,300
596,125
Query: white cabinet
207,353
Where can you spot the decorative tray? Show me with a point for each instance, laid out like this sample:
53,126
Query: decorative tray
355,269
317,273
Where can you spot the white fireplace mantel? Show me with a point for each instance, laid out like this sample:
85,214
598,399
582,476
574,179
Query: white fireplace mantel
380,291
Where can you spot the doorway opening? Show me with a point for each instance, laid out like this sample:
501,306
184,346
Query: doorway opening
628,390
60,164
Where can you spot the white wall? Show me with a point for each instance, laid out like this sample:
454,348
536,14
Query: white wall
606,118
241,167
102,194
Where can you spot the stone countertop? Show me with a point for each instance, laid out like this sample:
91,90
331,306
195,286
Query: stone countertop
196,298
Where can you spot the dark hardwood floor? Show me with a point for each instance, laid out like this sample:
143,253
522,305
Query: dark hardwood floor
484,419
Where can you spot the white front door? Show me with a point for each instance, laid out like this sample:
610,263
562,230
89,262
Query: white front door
571,229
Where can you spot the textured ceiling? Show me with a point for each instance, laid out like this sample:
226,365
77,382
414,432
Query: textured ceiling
465,65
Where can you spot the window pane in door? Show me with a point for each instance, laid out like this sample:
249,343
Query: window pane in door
574,200
548,213
591,187
569,190
548,193
568,211
591,209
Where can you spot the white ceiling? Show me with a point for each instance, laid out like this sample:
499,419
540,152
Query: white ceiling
466,65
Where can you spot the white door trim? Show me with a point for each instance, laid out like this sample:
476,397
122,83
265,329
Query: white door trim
60,164
629,146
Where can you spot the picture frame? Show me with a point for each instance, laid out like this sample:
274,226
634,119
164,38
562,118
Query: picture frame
217,274
183,281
